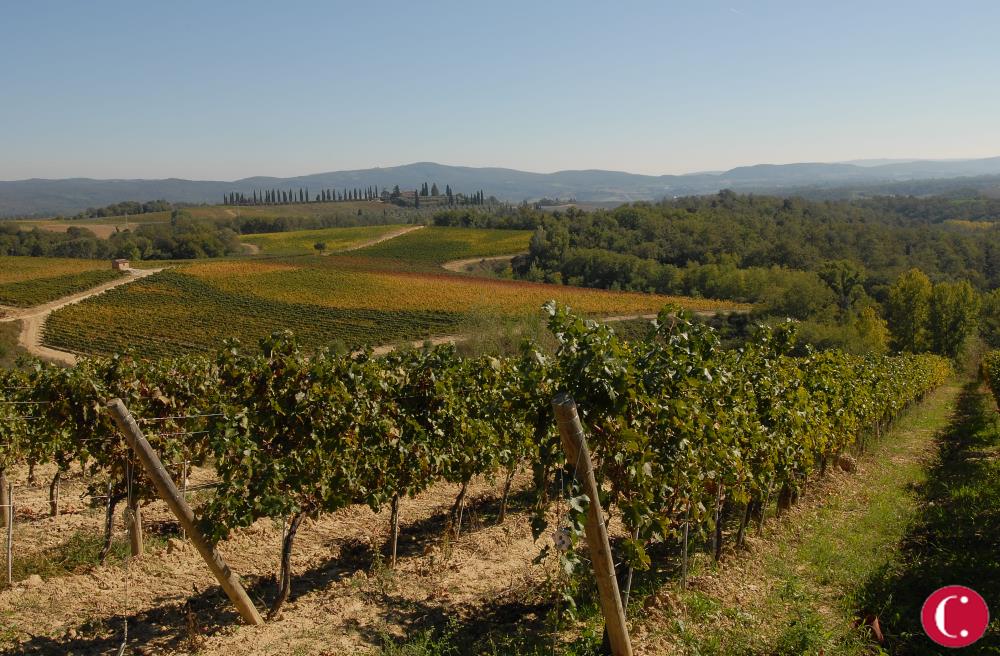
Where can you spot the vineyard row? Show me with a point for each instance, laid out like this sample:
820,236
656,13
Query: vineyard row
679,428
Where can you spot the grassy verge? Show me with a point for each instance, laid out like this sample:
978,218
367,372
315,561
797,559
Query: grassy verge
956,537
795,592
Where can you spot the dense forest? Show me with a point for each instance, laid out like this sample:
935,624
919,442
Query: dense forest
648,246
835,265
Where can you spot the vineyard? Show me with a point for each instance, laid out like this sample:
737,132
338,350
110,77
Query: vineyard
685,436
354,282
31,281
172,313
436,245
991,373
324,300
301,242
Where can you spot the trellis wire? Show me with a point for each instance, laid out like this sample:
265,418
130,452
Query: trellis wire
144,420
128,559
181,433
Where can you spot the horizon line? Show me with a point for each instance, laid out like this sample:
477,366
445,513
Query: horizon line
848,162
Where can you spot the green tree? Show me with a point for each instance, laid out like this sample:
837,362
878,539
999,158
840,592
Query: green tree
847,280
989,318
953,314
873,331
908,309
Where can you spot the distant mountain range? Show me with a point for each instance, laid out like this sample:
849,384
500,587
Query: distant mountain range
69,196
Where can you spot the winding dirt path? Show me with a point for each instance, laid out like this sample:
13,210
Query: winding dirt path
33,319
458,339
254,249
386,237
458,266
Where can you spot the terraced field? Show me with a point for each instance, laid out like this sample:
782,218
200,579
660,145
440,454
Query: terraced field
304,241
27,281
436,245
322,299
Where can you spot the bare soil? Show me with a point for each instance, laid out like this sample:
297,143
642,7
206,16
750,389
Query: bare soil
344,597
101,230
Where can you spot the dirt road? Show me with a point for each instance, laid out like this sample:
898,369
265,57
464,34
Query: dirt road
458,339
254,249
33,319
458,266
385,237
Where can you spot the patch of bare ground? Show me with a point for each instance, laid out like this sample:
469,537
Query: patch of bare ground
378,240
344,596
478,264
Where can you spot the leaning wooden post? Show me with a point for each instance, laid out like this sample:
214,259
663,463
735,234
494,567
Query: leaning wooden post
575,444
168,491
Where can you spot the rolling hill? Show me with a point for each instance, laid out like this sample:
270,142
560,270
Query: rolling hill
68,196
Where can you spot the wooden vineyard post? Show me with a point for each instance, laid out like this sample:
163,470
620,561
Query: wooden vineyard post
575,445
169,493
133,519
394,531
684,548
10,534
4,500
184,491
54,495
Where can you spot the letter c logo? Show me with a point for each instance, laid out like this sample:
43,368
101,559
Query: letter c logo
955,616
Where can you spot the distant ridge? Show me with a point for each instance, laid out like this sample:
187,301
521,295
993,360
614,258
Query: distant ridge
69,196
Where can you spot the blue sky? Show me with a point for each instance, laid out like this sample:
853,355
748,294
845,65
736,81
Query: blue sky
222,90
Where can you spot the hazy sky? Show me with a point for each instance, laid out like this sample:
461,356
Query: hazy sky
222,90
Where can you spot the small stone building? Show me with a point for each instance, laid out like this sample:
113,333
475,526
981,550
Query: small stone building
120,265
